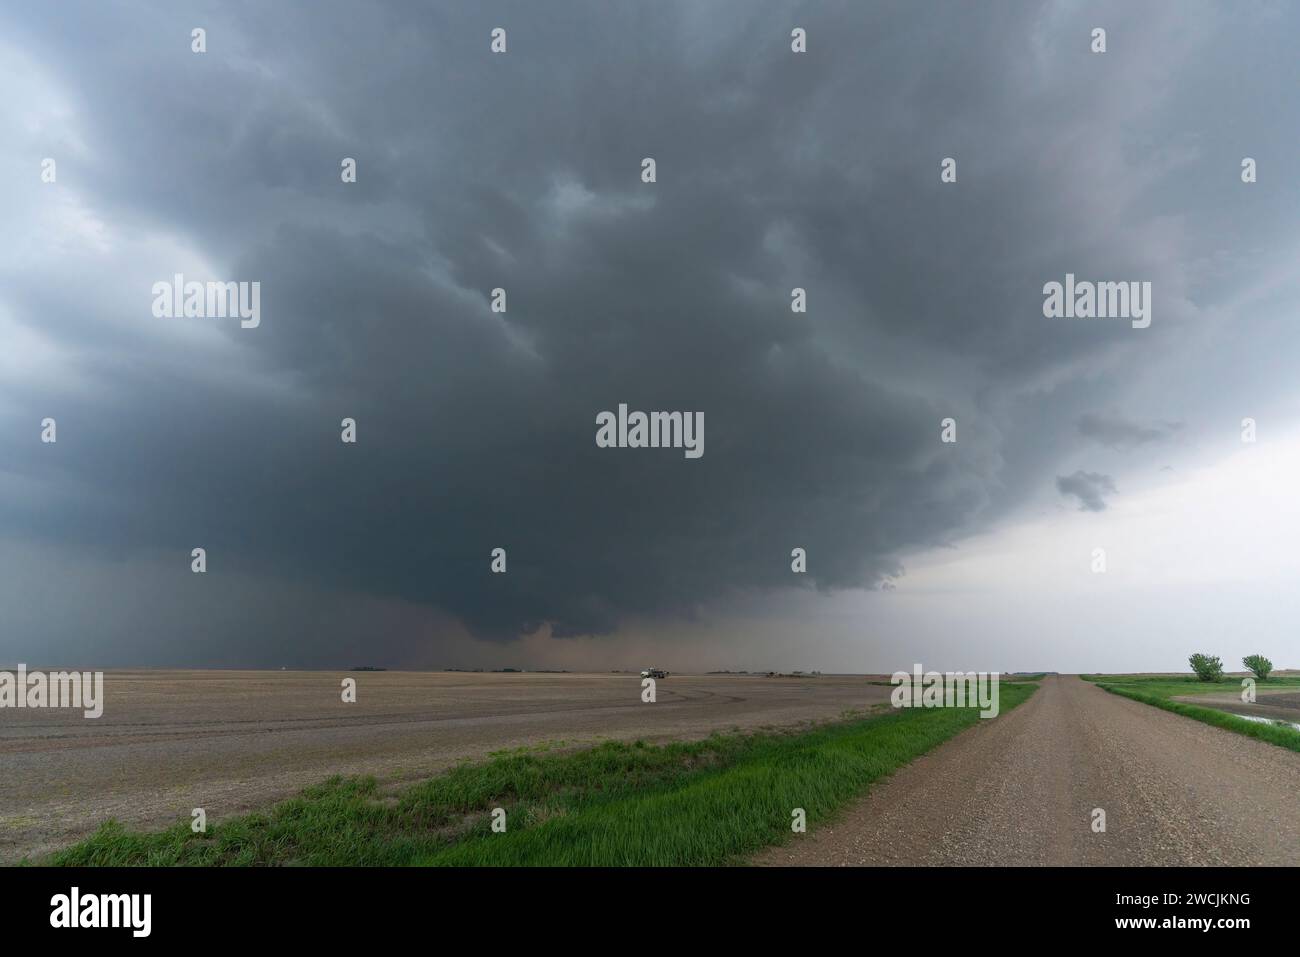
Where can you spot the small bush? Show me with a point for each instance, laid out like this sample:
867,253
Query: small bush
1207,667
1259,665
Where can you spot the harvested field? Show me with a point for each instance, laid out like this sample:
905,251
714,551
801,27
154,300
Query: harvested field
228,741
1282,704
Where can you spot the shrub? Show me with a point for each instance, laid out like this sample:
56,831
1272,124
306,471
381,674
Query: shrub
1207,667
1258,664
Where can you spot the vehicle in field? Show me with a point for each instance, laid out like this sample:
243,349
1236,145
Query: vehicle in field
654,673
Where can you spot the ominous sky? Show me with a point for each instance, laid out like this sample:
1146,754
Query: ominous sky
476,429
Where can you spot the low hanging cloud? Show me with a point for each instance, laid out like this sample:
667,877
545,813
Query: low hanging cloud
1115,432
1088,487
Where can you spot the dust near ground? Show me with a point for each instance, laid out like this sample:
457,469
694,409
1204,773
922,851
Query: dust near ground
227,741
1020,789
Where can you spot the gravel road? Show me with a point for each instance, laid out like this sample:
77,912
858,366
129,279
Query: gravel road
1020,789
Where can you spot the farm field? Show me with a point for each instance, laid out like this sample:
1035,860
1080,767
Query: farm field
230,742
708,802
1274,716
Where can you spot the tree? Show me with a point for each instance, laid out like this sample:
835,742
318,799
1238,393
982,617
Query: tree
1207,667
1258,664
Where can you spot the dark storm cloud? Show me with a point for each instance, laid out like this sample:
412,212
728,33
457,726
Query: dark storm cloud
1116,432
1088,487
476,430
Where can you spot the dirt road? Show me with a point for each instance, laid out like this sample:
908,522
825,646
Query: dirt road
1020,789
230,741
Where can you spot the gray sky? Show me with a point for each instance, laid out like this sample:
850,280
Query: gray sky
476,429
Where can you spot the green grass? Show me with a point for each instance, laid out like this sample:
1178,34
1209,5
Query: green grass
708,802
1160,690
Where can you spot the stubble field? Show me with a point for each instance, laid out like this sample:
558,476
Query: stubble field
230,741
